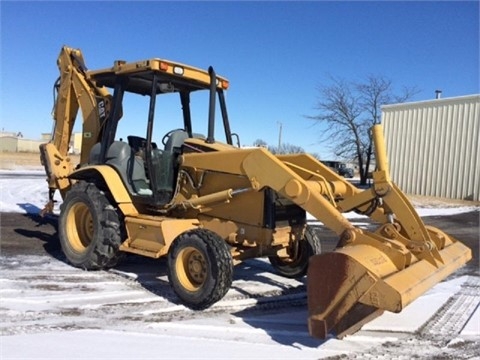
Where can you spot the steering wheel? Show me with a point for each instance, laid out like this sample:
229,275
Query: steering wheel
168,134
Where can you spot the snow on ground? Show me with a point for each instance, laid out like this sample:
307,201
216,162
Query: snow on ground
50,310
22,190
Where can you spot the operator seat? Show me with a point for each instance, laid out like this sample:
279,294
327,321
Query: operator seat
166,167
130,167
175,141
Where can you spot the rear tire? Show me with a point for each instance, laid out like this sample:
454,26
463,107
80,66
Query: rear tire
89,228
200,268
297,266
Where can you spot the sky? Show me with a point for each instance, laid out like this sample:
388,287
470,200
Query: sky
276,55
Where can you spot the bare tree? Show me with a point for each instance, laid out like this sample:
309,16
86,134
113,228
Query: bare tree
348,110
286,148
260,143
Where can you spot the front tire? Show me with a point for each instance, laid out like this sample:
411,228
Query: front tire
200,268
296,265
89,228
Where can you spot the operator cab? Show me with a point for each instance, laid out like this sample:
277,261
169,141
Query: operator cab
149,171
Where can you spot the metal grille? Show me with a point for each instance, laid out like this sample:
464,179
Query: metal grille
434,147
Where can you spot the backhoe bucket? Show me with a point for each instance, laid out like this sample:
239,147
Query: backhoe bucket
356,283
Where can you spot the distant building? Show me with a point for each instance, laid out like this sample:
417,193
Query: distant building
76,143
8,143
14,142
434,146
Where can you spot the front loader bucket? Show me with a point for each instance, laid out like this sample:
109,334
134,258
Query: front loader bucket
356,283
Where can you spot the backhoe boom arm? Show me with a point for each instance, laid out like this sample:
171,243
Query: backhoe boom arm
74,90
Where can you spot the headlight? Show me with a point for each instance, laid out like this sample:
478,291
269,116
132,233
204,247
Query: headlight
178,70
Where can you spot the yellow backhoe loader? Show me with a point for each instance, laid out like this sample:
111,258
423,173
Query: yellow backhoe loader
208,205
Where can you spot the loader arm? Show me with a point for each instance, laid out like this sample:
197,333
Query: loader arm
370,270
74,90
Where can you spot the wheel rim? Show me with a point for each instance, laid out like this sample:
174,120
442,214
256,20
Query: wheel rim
79,227
191,268
296,258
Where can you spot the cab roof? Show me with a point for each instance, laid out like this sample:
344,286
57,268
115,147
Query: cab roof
138,76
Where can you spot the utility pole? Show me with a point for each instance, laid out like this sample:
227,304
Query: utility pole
279,135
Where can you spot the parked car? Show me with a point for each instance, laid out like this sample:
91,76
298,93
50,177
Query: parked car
346,172
340,168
